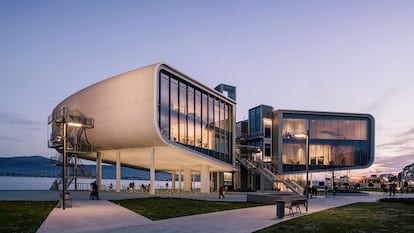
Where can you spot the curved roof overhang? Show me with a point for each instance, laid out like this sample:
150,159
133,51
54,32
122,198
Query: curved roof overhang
125,119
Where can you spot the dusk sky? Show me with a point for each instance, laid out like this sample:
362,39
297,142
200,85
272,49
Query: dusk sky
340,56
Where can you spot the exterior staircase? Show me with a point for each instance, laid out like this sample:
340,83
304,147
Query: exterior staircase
67,136
75,170
268,171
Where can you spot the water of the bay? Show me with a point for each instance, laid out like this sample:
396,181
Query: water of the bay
44,183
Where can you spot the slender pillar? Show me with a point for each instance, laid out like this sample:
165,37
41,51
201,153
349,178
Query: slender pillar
205,179
211,181
64,171
118,171
75,172
98,169
218,182
187,180
262,181
173,180
180,179
152,171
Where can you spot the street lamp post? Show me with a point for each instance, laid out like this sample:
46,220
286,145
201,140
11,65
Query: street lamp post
307,169
65,158
64,164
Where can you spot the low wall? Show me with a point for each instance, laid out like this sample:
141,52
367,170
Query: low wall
270,198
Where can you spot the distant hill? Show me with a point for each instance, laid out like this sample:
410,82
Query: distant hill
36,166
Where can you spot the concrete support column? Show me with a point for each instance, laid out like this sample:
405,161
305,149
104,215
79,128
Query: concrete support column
180,179
262,182
211,181
218,181
187,180
205,179
152,171
99,169
173,180
310,180
118,171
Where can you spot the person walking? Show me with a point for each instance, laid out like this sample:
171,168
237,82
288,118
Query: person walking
221,192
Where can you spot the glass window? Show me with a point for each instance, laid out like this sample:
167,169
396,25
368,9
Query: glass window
205,107
198,133
164,90
183,98
183,129
267,128
191,131
198,104
217,113
174,126
211,110
221,123
361,130
267,152
293,127
174,95
205,135
294,153
164,122
190,101
193,118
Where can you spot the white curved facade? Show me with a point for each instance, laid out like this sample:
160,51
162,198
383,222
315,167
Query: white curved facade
126,113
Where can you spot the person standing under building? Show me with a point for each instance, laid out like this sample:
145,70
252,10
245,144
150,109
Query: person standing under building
94,191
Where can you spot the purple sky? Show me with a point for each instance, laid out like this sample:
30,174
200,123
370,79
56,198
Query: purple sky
340,56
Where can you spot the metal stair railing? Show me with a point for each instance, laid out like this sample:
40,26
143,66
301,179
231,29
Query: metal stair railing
247,163
80,171
271,173
299,189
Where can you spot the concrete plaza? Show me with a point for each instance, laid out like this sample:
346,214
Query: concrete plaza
104,216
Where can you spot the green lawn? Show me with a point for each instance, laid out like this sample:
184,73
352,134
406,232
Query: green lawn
23,216
157,208
27,216
358,217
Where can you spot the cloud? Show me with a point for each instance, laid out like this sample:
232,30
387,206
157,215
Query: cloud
409,133
14,119
378,104
4,138
402,142
394,163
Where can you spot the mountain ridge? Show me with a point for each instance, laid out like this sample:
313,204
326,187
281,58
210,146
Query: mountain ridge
40,166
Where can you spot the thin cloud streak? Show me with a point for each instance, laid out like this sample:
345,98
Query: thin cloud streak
4,138
14,119
394,163
404,139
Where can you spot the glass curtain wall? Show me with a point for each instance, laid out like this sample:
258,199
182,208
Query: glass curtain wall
194,118
334,142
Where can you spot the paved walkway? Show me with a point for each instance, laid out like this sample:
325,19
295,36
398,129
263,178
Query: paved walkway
104,216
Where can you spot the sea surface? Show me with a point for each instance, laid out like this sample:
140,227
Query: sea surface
44,183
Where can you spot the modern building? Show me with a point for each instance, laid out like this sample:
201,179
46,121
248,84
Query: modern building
159,119
278,142
154,118
406,176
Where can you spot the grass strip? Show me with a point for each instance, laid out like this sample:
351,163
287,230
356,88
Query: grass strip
358,217
23,216
157,208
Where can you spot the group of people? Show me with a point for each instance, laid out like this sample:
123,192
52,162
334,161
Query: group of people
391,188
95,194
131,186
313,191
